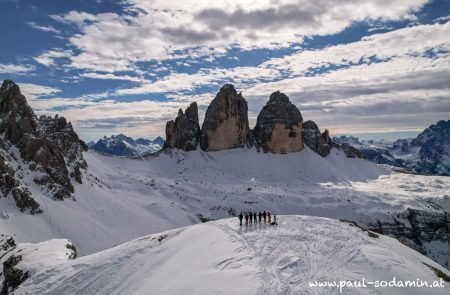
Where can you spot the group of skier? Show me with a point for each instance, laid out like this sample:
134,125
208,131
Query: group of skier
251,218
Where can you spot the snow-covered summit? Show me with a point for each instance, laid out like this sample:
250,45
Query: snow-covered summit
122,145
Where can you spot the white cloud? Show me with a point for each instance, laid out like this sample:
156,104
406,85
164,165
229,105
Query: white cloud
162,29
111,77
48,58
43,28
141,118
34,91
411,41
389,81
12,69
74,17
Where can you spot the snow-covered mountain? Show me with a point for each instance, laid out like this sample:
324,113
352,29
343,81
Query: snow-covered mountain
122,199
221,257
98,201
428,153
37,155
121,145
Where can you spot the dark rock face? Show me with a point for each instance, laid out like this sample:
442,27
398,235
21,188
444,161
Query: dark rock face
279,126
7,243
11,182
349,151
417,228
13,277
319,142
62,135
21,127
184,132
48,147
434,143
226,122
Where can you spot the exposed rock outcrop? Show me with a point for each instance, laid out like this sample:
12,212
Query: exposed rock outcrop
48,148
226,122
13,276
11,182
18,262
417,228
319,142
349,151
434,155
279,126
184,132
62,135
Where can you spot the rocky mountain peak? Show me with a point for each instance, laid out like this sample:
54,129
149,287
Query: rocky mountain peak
434,144
43,148
279,126
312,138
278,98
10,87
184,132
61,134
226,121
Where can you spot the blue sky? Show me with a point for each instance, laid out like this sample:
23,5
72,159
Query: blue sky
374,68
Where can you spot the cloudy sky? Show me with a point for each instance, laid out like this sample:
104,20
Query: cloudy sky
371,67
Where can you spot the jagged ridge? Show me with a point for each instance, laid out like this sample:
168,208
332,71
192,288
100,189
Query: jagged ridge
47,147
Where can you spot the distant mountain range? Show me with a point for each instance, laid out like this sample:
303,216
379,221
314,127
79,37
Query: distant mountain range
428,153
124,146
99,201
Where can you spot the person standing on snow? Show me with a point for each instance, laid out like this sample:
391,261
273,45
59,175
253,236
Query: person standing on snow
269,217
254,217
251,217
240,219
274,220
264,216
260,216
246,218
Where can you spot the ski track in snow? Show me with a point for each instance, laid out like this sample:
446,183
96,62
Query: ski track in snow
223,258
283,260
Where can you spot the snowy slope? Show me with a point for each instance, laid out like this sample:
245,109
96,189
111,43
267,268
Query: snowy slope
222,258
122,199
32,258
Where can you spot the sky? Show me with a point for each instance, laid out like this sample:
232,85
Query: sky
372,68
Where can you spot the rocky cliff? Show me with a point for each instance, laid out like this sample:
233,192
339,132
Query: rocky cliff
421,230
434,155
184,132
226,122
60,132
318,142
48,149
279,126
